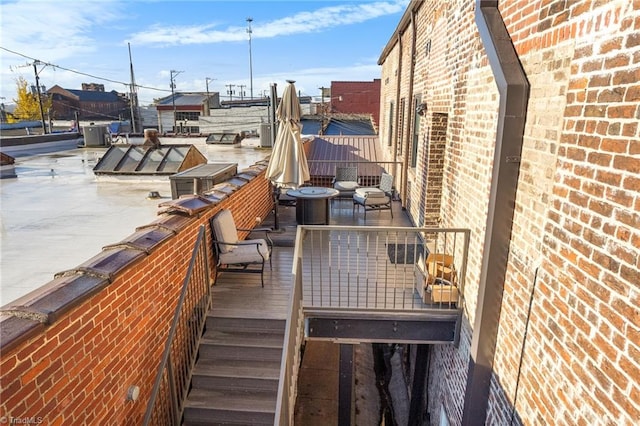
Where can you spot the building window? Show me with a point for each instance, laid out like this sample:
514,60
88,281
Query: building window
187,115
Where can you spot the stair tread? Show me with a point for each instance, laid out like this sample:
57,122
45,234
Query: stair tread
238,368
232,400
252,324
243,338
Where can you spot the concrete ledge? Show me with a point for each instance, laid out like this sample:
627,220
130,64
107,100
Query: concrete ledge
106,264
15,330
188,204
249,173
225,188
215,196
37,139
170,222
50,301
143,239
238,181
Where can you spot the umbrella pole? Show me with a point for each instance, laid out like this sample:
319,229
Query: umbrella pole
276,200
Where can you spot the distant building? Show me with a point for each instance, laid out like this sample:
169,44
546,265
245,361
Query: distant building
356,97
349,101
188,108
88,104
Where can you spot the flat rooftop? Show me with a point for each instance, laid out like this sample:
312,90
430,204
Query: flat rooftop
56,214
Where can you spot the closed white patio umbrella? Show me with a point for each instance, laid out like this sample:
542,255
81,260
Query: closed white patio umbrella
288,166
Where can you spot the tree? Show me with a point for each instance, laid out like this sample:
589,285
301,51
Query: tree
27,106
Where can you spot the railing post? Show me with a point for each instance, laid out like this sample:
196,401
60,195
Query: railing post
173,394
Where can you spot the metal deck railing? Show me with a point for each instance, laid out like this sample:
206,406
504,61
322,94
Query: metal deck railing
375,267
174,373
365,272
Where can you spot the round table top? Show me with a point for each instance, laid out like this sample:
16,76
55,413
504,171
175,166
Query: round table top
313,192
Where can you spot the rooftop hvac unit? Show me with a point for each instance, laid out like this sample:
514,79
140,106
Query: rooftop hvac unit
202,178
265,135
95,135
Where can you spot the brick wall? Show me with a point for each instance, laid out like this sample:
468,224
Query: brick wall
575,237
356,97
77,367
584,340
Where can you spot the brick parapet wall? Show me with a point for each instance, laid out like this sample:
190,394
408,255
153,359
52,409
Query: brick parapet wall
71,360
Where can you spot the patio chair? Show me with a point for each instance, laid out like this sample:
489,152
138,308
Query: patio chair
346,181
436,279
375,198
234,255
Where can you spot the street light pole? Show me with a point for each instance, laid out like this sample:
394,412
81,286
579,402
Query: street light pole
249,21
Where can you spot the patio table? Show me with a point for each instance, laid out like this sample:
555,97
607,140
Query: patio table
312,204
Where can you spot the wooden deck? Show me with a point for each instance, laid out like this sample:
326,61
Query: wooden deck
240,295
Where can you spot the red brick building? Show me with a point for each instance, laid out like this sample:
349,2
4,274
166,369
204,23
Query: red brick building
92,102
356,97
520,121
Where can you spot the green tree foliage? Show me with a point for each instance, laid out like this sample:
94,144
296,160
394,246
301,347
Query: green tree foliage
27,106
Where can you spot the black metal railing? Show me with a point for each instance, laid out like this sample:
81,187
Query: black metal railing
166,404
369,172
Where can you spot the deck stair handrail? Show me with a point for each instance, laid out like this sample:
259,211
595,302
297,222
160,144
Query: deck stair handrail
360,272
174,372
290,365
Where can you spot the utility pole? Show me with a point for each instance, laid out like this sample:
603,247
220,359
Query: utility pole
133,101
230,91
249,31
322,89
242,92
35,70
174,73
207,80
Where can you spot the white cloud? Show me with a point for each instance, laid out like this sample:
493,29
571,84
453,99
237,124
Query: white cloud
327,17
50,32
300,23
181,35
53,30
82,37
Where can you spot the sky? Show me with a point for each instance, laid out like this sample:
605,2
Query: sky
310,42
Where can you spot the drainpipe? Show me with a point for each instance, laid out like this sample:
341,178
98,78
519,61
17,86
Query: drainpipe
394,145
513,88
408,134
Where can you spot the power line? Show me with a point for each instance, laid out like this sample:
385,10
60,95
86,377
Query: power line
81,73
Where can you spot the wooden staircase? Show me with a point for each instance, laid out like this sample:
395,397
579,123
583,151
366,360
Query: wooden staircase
235,380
